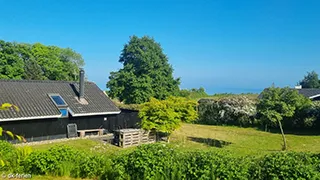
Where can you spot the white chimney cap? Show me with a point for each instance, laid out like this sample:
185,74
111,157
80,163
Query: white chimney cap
298,87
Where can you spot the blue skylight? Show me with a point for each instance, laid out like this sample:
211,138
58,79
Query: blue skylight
58,100
64,112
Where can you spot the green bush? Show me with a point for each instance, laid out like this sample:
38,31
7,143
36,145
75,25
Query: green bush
159,161
290,165
233,110
93,166
146,162
62,160
214,165
8,154
58,160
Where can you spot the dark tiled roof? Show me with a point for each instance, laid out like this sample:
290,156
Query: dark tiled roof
33,101
307,92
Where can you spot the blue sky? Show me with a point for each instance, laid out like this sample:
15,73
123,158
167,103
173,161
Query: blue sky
221,45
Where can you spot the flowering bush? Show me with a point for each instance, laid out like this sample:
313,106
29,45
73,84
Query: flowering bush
236,110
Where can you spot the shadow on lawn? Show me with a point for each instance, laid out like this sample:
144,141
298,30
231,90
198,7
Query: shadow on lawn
210,142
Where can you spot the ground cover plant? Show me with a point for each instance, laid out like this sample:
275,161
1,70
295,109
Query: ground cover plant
195,152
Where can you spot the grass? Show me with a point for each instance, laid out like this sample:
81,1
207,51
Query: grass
240,141
88,145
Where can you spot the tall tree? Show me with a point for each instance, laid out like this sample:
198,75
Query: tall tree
311,80
146,73
11,65
278,103
37,61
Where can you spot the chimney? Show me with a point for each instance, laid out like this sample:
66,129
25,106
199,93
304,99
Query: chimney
298,87
81,83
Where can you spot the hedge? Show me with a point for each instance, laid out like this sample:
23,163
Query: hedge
161,161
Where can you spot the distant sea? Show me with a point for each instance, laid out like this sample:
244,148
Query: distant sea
212,91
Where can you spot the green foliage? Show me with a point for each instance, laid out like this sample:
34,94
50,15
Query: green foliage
53,161
158,115
210,165
93,166
146,162
279,103
166,115
8,155
62,160
159,161
127,106
311,80
228,110
193,93
286,166
38,62
146,73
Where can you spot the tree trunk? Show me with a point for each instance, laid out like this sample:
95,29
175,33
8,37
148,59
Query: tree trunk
168,137
284,147
266,127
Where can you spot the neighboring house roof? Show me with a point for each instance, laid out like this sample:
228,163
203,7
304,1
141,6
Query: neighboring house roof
311,93
32,98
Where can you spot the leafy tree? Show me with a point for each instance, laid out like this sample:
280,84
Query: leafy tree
193,93
311,80
146,73
11,66
278,103
166,115
37,61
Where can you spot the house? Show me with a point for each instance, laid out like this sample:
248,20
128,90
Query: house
311,93
48,108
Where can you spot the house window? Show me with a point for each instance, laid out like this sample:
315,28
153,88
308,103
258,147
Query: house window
64,112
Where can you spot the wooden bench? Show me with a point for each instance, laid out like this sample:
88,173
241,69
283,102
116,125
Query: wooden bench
83,132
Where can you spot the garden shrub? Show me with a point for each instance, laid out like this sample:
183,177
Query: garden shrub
8,154
214,165
58,160
93,166
290,165
159,161
235,110
146,162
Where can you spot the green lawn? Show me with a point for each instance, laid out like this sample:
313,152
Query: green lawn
240,141
88,145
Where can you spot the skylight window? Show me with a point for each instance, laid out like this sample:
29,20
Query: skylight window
64,112
58,100
60,103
